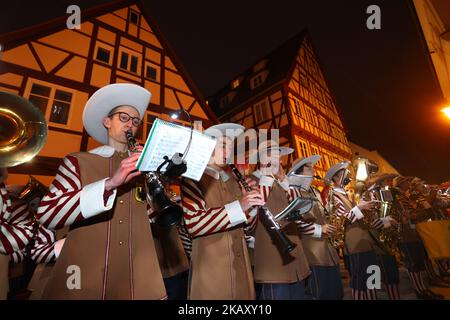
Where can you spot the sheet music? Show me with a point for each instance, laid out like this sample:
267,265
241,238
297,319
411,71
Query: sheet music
165,139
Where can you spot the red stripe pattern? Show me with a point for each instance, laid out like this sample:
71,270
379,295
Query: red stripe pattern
342,211
200,220
303,227
43,248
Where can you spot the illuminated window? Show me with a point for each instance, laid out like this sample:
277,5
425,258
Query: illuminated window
235,84
304,150
261,110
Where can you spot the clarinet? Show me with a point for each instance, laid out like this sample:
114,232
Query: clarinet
273,227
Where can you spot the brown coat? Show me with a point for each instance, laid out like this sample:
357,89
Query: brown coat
271,265
318,250
357,239
114,250
220,264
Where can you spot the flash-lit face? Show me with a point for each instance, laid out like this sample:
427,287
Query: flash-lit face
117,128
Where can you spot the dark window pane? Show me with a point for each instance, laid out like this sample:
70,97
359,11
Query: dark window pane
133,65
63,96
103,55
134,17
151,73
124,60
40,90
39,102
60,112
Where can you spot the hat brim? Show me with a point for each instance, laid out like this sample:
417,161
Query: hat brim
107,98
231,130
312,159
283,151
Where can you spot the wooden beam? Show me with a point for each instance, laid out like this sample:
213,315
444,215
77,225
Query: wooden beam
39,165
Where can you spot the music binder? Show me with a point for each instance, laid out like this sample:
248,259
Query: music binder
166,139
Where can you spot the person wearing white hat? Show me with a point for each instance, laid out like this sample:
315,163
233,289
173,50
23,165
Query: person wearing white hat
359,245
109,251
216,210
325,280
278,275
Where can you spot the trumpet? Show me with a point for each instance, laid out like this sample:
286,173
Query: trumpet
168,212
272,226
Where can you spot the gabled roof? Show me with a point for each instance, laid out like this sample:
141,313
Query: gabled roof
16,38
279,64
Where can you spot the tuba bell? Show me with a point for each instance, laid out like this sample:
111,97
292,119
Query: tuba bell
23,130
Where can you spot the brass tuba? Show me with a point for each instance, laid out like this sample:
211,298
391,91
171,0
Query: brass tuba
23,130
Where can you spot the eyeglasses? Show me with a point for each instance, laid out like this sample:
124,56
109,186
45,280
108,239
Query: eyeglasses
125,117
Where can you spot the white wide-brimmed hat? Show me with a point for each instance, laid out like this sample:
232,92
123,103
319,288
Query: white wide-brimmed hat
335,169
107,98
231,130
297,164
268,146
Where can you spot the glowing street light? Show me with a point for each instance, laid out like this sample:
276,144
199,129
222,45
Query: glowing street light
446,111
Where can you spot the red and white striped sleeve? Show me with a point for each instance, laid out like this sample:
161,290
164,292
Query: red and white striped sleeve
352,215
17,256
200,220
67,202
15,230
43,250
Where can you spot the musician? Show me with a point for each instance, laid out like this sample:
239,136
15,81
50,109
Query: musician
15,233
411,245
278,275
434,206
216,210
110,241
359,245
325,280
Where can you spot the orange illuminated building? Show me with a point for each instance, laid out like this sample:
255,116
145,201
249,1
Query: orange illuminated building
287,90
58,68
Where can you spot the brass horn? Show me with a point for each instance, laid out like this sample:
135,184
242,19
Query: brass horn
23,130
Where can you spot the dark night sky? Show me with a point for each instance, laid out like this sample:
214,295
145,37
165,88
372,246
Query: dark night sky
381,79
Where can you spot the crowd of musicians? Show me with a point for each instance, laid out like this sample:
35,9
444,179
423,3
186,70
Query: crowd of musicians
91,217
